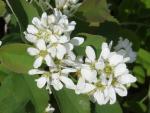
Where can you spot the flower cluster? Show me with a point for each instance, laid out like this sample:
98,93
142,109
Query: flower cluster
68,6
57,65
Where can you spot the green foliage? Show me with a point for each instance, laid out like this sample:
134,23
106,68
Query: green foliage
95,11
140,74
68,102
96,22
17,91
2,8
115,108
144,59
91,40
15,57
23,12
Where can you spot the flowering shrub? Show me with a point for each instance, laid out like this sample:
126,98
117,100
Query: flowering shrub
62,56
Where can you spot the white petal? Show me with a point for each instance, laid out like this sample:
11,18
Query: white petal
36,22
68,70
69,46
71,55
51,19
115,59
83,87
49,60
35,71
99,65
57,84
105,51
44,19
31,29
89,75
61,51
31,38
126,79
63,39
33,51
112,95
120,69
90,53
41,44
99,96
121,90
38,62
41,82
52,50
77,41
68,82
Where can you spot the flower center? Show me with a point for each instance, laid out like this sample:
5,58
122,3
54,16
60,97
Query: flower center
43,53
108,69
44,34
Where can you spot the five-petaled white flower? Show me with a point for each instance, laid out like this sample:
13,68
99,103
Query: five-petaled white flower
41,53
124,47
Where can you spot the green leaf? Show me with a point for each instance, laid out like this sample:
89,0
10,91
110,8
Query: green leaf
115,108
16,91
2,8
90,40
15,57
94,11
69,102
144,59
149,98
139,73
23,11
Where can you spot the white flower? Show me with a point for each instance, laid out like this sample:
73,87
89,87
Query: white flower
41,53
104,78
69,7
49,27
64,46
49,109
61,77
43,80
55,78
124,47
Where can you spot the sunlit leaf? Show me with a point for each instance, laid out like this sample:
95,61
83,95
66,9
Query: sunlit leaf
69,102
15,57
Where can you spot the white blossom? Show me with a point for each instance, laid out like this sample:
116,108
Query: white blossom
124,47
68,7
41,53
104,78
49,27
54,77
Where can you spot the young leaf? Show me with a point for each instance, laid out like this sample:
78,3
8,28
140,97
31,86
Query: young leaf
15,57
69,102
